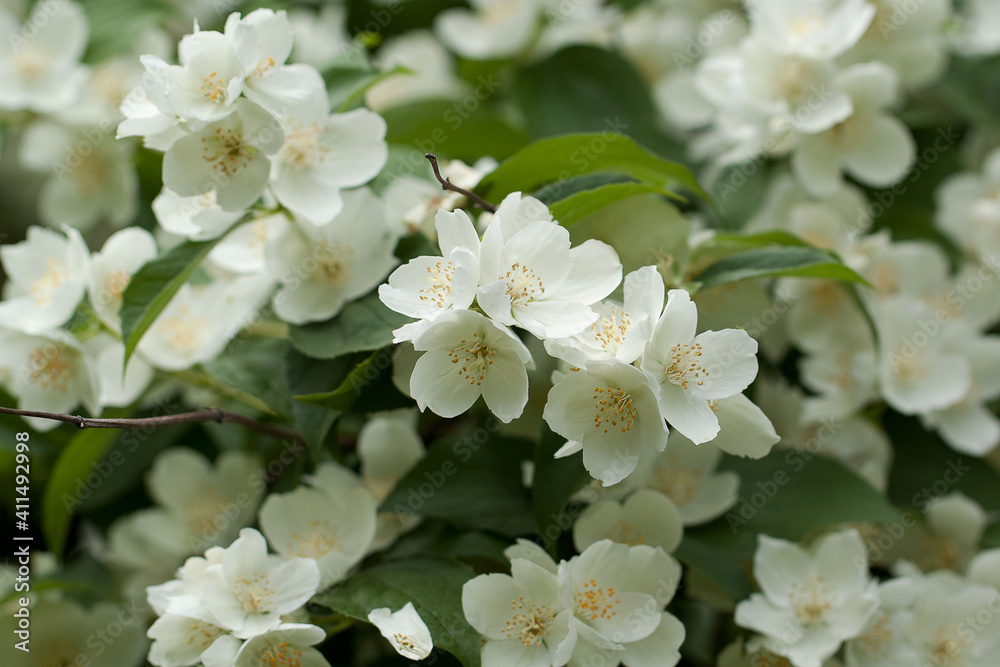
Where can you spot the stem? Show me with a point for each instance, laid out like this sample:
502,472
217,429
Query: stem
217,415
446,184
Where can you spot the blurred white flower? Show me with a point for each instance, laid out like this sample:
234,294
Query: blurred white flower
491,29
645,517
112,269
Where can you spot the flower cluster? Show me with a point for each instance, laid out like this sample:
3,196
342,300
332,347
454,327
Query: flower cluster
631,368
604,606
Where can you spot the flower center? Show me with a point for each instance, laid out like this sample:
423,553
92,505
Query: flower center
31,63
610,330
473,358
45,287
333,264
680,484
319,541
613,409
947,645
530,623
303,147
214,88
877,639
184,331
405,645
227,151
49,369
255,594
439,279
116,283
281,655
594,602
685,366
262,67
625,532
522,284
811,600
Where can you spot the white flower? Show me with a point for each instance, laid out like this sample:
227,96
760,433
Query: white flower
646,517
811,601
870,145
522,616
531,277
467,355
322,268
617,592
333,526
112,269
180,641
610,411
212,501
404,629
433,70
40,63
620,332
263,42
287,644
693,370
389,446
917,370
686,473
199,321
956,524
978,31
92,177
197,217
244,250
48,372
205,87
320,36
968,209
813,28
145,118
428,286
249,591
492,30
46,279
324,153
118,388
229,156
64,633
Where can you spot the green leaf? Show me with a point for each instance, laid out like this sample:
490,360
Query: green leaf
925,467
347,85
560,158
308,375
471,482
466,129
363,325
563,478
991,538
761,240
367,388
589,89
578,206
155,284
717,565
68,487
433,585
774,262
256,366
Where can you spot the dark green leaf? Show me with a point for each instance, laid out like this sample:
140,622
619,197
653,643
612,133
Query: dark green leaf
560,158
367,388
68,485
362,326
774,262
347,85
563,478
576,207
472,482
465,129
256,366
308,375
433,585
155,284
588,89
991,538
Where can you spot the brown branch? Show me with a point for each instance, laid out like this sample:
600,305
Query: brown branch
217,415
446,184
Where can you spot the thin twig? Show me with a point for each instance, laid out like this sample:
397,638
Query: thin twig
446,184
217,415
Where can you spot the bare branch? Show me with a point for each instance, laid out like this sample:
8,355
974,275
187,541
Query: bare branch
217,415
446,184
